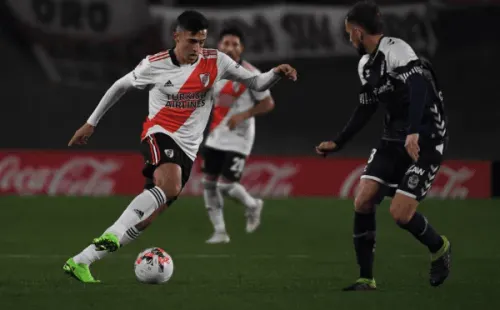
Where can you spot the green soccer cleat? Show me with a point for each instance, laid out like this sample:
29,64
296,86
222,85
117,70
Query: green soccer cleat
441,264
362,284
107,242
81,272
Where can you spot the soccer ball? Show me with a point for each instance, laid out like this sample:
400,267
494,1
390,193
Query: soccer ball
153,266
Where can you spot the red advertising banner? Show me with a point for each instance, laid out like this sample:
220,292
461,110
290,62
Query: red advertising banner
101,174
70,173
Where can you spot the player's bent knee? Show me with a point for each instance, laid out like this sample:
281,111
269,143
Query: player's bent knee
363,205
209,182
399,215
225,187
172,190
403,208
168,177
366,196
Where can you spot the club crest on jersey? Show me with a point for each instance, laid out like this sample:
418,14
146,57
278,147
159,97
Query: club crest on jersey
205,79
413,181
169,153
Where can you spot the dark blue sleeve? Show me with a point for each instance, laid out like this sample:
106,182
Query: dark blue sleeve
418,92
362,114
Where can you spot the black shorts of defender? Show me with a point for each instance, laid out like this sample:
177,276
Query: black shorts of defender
160,148
389,164
227,164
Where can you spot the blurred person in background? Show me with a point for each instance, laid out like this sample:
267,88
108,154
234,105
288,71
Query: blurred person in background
230,141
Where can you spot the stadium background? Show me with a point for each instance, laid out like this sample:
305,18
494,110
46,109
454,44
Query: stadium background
60,56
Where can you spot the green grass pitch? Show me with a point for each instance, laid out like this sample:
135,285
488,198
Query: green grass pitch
299,258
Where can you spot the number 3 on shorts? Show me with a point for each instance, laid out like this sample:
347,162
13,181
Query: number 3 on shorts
238,165
372,155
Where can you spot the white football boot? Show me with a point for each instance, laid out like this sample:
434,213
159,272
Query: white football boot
219,237
253,216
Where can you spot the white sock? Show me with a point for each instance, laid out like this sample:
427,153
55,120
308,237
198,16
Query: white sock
238,192
89,255
214,202
139,209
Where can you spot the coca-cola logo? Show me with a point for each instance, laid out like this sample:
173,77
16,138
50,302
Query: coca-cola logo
266,179
76,176
261,178
452,187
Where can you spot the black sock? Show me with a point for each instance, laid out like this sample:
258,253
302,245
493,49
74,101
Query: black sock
420,228
364,243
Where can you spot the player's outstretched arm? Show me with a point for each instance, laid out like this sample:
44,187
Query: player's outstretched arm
114,93
230,70
362,114
264,106
141,77
266,80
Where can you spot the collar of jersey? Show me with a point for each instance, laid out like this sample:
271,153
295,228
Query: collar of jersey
374,53
176,62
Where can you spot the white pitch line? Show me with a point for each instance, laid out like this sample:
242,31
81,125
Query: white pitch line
181,256
216,256
193,256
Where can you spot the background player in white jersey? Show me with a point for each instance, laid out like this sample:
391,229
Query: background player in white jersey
180,83
230,141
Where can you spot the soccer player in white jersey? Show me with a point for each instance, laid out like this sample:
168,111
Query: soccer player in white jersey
230,141
180,84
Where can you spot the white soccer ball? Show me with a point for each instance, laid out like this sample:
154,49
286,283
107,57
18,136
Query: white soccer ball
153,266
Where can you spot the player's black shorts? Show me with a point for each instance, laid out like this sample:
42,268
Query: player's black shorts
227,164
390,165
160,148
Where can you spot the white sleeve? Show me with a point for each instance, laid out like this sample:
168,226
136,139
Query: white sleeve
230,70
361,65
142,75
114,93
399,55
365,94
259,95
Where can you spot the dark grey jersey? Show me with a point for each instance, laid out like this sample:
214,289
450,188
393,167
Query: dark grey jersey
413,105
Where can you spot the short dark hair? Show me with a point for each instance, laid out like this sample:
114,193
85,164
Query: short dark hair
367,15
192,21
233,31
